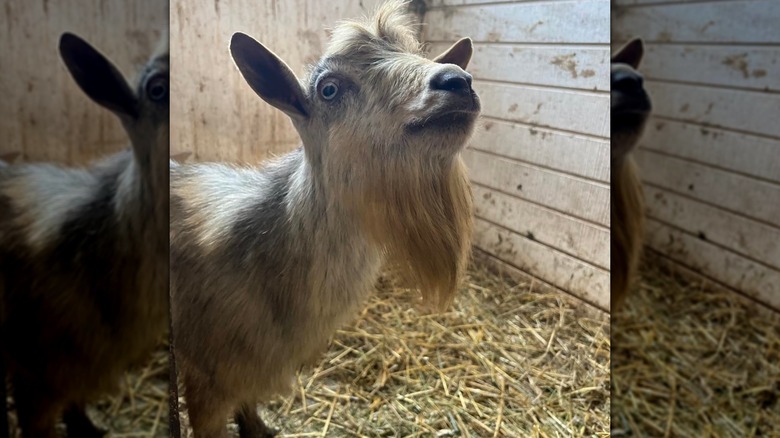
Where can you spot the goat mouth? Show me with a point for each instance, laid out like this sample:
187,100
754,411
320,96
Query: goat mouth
459,118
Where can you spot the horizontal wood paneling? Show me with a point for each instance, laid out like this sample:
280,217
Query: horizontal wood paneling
568,273
742,153
753,279
43,113
557,66
580,239
739,21
571,153
711,155
718,107
574,21
217,116
755,68
747,237
586,113
570,195
751,197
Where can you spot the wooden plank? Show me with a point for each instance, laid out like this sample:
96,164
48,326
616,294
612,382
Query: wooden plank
744,153
568,273
43,113
753,198
584,68
753,279
657,2
578,197
576,111
717,107
751,239
746,21
534,284
432,4
576,21
218,117
580,239
749,67
583,156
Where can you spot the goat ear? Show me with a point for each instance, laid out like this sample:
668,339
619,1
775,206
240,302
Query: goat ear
631,53
268,75
458,54
97,76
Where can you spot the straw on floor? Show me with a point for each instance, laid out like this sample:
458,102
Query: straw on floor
690,360
505,361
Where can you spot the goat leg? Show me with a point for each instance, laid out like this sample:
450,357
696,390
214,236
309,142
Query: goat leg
36,411
250,425
78,423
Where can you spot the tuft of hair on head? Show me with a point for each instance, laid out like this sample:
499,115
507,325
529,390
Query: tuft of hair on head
392,27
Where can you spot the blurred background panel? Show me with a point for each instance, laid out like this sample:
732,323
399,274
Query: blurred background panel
44,116
696,350
710,157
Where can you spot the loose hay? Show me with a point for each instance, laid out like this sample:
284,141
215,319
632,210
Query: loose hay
139,409
694,361
506,361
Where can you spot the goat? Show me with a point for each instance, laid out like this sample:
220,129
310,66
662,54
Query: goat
630,109
267,263
84,254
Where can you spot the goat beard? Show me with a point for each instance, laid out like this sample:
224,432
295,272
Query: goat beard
421,215
627,227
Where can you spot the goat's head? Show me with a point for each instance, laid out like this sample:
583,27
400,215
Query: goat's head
384,127
143,111
630,102
372,94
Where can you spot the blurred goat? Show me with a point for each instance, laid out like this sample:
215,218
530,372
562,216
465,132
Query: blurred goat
630,110
84,255
267,263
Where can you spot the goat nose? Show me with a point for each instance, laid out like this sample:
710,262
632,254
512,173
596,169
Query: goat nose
626,81
452,80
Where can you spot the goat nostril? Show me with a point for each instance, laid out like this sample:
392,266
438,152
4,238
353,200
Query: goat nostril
452,81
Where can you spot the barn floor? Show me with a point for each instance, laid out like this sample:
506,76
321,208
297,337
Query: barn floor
139,409
693,361
505,361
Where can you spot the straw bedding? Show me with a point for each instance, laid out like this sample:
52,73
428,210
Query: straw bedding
691,360
506,361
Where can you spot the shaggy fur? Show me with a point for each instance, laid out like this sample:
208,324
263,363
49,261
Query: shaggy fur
630,110
84,255
267,263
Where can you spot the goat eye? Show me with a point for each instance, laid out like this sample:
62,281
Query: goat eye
157,88
329,90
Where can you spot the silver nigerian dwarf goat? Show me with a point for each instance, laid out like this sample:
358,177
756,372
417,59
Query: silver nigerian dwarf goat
267,263
84,255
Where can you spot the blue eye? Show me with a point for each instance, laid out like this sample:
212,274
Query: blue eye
329,90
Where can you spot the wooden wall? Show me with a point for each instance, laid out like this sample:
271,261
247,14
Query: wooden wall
216,116
540,162
710,158
43,114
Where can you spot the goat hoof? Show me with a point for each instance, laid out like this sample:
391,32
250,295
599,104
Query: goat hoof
78,424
